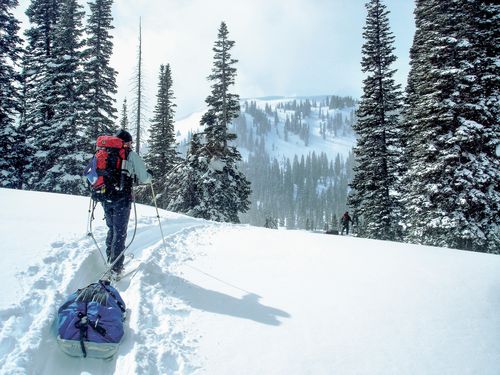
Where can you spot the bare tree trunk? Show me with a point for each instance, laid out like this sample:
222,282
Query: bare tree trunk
139,92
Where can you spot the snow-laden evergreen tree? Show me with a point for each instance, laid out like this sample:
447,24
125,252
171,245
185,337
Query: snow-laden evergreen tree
100,77
184,192
225,188
452,122
10,55
162,155
66,154
223,106
39,93
124,124
373,198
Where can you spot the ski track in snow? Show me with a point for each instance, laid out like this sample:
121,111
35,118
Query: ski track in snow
158,339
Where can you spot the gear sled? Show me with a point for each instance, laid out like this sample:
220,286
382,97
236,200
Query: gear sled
90,322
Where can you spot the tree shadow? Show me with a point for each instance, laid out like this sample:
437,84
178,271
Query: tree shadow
247,307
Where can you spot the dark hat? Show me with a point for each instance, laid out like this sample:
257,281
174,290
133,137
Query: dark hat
124,135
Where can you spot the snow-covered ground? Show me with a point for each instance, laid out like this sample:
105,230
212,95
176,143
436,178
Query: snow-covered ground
234,299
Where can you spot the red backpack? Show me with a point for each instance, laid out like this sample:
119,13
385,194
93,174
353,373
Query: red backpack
106,173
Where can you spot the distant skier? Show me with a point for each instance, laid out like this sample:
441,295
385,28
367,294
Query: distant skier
345,223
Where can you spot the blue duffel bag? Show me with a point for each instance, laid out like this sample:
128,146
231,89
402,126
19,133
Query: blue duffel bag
90,322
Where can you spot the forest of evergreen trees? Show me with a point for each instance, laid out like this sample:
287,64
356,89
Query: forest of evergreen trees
425,168
57,96
304,192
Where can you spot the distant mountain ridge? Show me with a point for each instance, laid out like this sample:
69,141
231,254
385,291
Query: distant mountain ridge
329,125
297,154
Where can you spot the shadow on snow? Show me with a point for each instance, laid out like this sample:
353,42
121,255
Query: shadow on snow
247,307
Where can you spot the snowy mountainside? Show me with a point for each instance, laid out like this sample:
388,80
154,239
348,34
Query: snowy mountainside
297,155
326,128
337,116
235,299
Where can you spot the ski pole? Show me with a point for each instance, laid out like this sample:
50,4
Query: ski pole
92,205
158,216
90,217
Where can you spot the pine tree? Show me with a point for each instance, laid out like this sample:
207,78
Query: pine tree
124,124
10,101
162,155
39,91
483,112
100,114
377,147
184,186
225,188
451,119
222,105
65,132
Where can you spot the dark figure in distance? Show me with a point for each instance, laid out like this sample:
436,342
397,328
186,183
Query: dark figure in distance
345,223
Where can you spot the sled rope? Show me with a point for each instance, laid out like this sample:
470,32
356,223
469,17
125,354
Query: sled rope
217,279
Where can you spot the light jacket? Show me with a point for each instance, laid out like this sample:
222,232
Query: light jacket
136,167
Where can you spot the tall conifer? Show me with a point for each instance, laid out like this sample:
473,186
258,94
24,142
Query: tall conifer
39,92
10,101
451,117
100,89
226,189
65,133
124,124
377,146
162,155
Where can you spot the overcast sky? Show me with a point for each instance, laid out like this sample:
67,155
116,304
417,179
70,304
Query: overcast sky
292,47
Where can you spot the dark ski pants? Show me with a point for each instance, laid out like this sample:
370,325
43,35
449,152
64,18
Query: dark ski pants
345,228
117,214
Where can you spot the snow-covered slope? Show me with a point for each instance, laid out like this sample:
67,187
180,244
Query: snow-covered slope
234,299
276,145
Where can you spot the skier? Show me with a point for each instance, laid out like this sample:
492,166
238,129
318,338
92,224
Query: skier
345,223
117,209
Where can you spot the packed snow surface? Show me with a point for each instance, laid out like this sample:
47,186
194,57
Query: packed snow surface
234,299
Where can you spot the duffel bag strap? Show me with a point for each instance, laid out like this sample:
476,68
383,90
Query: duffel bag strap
82,325
97,327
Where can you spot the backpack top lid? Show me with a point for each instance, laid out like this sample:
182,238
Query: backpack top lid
109,141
